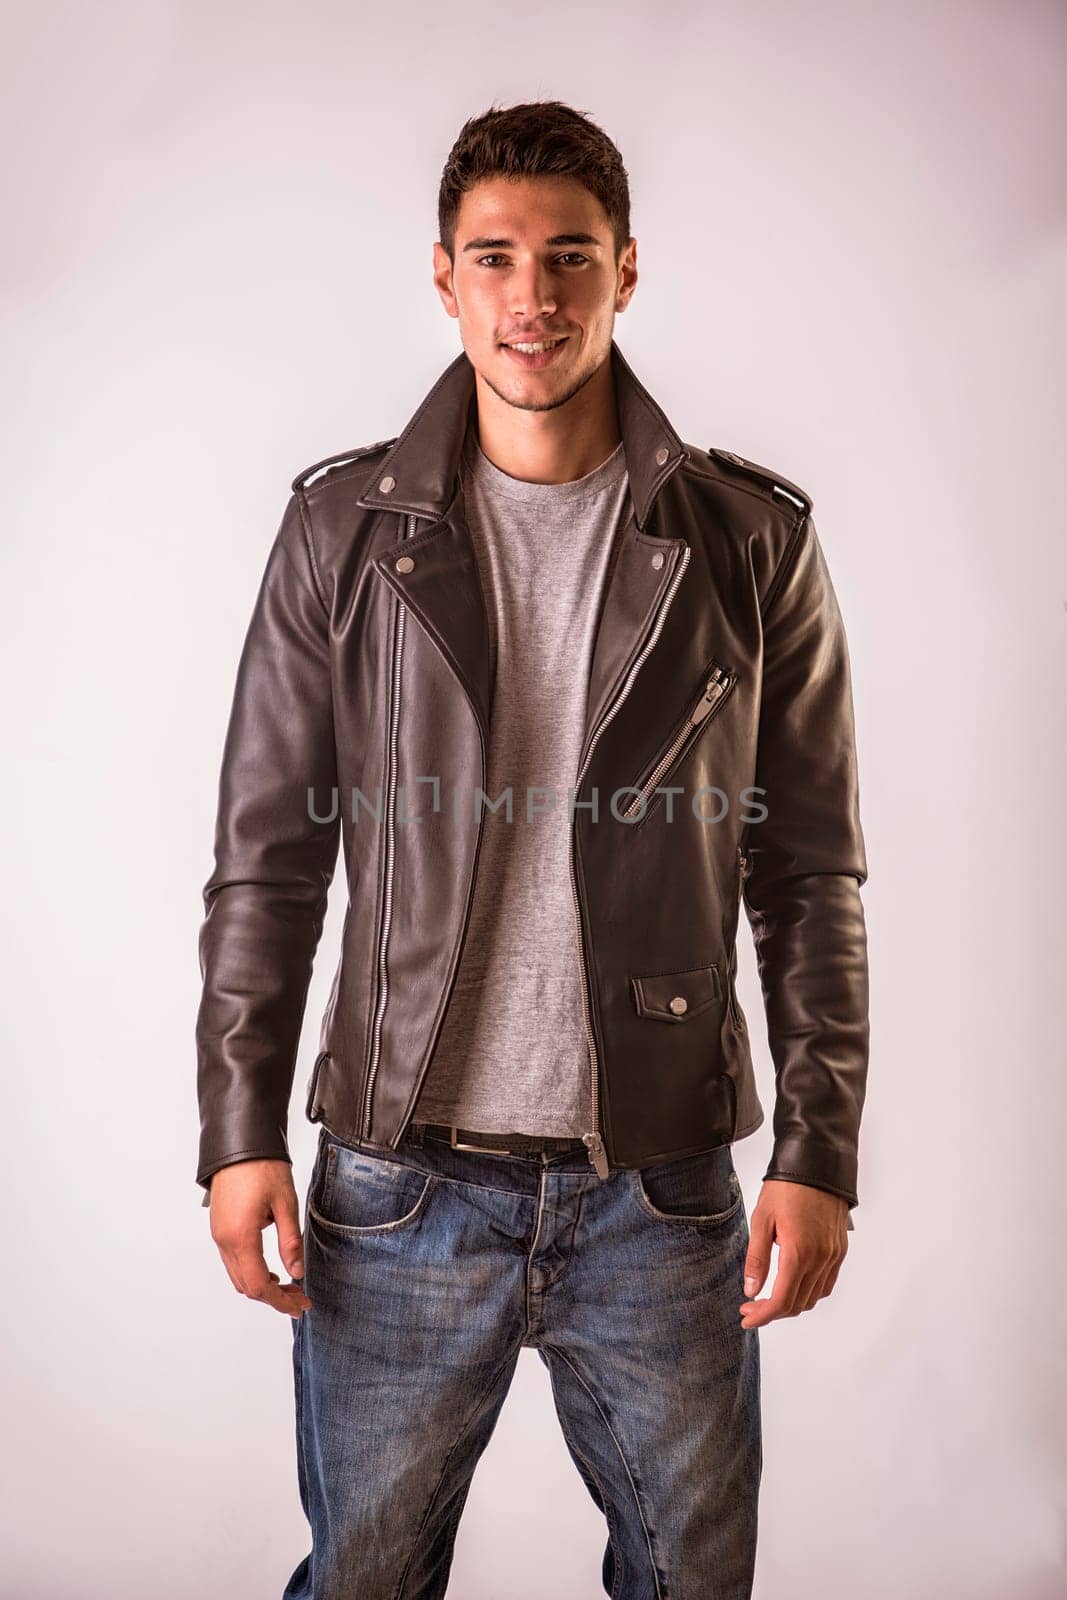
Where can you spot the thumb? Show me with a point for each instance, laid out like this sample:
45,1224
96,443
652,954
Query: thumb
758,1254
290,1238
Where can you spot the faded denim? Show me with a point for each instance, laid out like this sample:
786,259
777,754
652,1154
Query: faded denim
430,1268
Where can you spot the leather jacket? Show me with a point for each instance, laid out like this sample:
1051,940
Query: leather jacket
362,711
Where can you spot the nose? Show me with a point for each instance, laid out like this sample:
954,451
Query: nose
533,292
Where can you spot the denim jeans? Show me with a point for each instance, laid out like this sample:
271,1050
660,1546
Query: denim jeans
430,1268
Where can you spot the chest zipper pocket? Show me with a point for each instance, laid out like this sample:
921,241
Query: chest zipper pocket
717,683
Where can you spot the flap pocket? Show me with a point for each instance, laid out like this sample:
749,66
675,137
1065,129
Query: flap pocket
677,996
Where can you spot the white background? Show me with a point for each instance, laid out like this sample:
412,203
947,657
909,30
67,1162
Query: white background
850,225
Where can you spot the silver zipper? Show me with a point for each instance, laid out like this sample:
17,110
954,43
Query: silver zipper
466,922
594,1141
312,1110
735,1009
710,695
390,855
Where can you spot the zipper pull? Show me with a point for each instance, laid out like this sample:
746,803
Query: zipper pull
714,689
597,1154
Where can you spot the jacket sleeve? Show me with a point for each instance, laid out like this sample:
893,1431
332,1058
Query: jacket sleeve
265,901
806,866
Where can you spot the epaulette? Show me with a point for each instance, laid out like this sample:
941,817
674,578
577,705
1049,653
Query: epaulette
302,479
772,481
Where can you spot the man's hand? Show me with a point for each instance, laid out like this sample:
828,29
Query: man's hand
808,1225
246,1197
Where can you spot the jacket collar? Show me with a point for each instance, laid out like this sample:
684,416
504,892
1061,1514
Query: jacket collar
419,474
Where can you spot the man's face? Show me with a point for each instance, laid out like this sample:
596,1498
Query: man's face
534,261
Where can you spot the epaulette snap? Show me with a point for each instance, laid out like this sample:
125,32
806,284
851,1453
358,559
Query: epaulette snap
773,481
302,479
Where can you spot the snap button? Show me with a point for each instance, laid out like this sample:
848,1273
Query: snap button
732,455
657,995
663,455
657,560
405,564
387,485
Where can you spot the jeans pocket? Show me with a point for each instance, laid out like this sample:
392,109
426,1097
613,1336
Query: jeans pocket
701,1191
357,1192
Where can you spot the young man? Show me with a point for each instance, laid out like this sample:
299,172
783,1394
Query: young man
568,691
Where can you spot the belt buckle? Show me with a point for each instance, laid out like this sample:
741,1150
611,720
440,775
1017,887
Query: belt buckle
484,1149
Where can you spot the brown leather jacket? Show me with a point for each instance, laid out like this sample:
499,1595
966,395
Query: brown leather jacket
365,686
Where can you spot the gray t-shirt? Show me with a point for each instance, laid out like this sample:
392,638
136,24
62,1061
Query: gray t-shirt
512,1056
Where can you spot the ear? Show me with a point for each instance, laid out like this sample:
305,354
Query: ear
627,276
442,278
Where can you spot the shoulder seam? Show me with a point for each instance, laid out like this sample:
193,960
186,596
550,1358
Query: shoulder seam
305,523
787,560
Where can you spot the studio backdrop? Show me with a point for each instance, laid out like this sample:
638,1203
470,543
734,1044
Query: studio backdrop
216,270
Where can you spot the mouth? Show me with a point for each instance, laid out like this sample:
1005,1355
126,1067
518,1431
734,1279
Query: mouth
534,354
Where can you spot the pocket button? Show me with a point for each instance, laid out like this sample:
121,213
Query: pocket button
676,996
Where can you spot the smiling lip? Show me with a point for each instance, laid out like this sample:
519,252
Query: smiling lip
542,358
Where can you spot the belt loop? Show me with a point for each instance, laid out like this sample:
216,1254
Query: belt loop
415,1134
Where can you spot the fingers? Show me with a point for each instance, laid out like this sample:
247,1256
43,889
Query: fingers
758,1255
290,1235
788,1284
246,1198
249,1275
257,1283
287,1297
824,1274
798,1287
809,1226
829,1277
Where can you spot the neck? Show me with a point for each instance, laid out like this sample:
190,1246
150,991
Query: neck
554,446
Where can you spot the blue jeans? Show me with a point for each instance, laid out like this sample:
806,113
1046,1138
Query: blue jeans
430,1268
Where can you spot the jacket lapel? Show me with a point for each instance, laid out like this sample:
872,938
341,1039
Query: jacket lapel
443,590
435,570
636,585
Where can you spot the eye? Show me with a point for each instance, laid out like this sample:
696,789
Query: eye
569,255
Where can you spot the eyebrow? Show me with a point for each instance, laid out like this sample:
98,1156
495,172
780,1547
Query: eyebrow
556,239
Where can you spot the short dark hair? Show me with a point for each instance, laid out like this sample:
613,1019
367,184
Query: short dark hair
543,138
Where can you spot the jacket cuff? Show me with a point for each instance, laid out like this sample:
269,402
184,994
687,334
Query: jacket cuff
796,1159
207,1169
